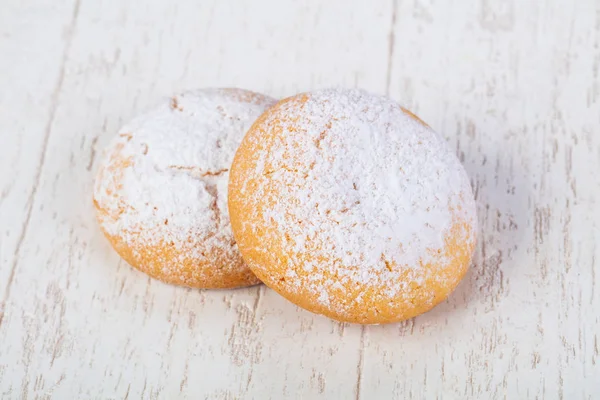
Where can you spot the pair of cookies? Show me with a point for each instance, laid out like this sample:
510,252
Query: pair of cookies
340,200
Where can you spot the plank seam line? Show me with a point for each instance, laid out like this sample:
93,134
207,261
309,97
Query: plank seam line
391,47
361,361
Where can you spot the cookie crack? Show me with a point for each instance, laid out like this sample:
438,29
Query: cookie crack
197,172
208,178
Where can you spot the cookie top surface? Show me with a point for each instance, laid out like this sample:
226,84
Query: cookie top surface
164,178
358,201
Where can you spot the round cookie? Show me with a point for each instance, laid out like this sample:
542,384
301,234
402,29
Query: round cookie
161,191
350,206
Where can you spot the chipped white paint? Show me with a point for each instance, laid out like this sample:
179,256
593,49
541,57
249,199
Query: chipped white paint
513,85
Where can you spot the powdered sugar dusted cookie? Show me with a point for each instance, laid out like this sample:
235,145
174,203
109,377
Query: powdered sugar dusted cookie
161,192
350,206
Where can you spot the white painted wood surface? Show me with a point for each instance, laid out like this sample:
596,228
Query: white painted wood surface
513,85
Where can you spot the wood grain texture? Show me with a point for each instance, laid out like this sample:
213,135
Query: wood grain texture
512,85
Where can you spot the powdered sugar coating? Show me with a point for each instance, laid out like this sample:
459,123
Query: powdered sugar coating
164,183
355,196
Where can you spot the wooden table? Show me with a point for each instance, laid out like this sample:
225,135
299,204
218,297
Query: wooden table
514,86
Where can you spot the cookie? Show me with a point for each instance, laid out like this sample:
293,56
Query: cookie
350,206
161,191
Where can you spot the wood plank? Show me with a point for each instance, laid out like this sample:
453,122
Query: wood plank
28,100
